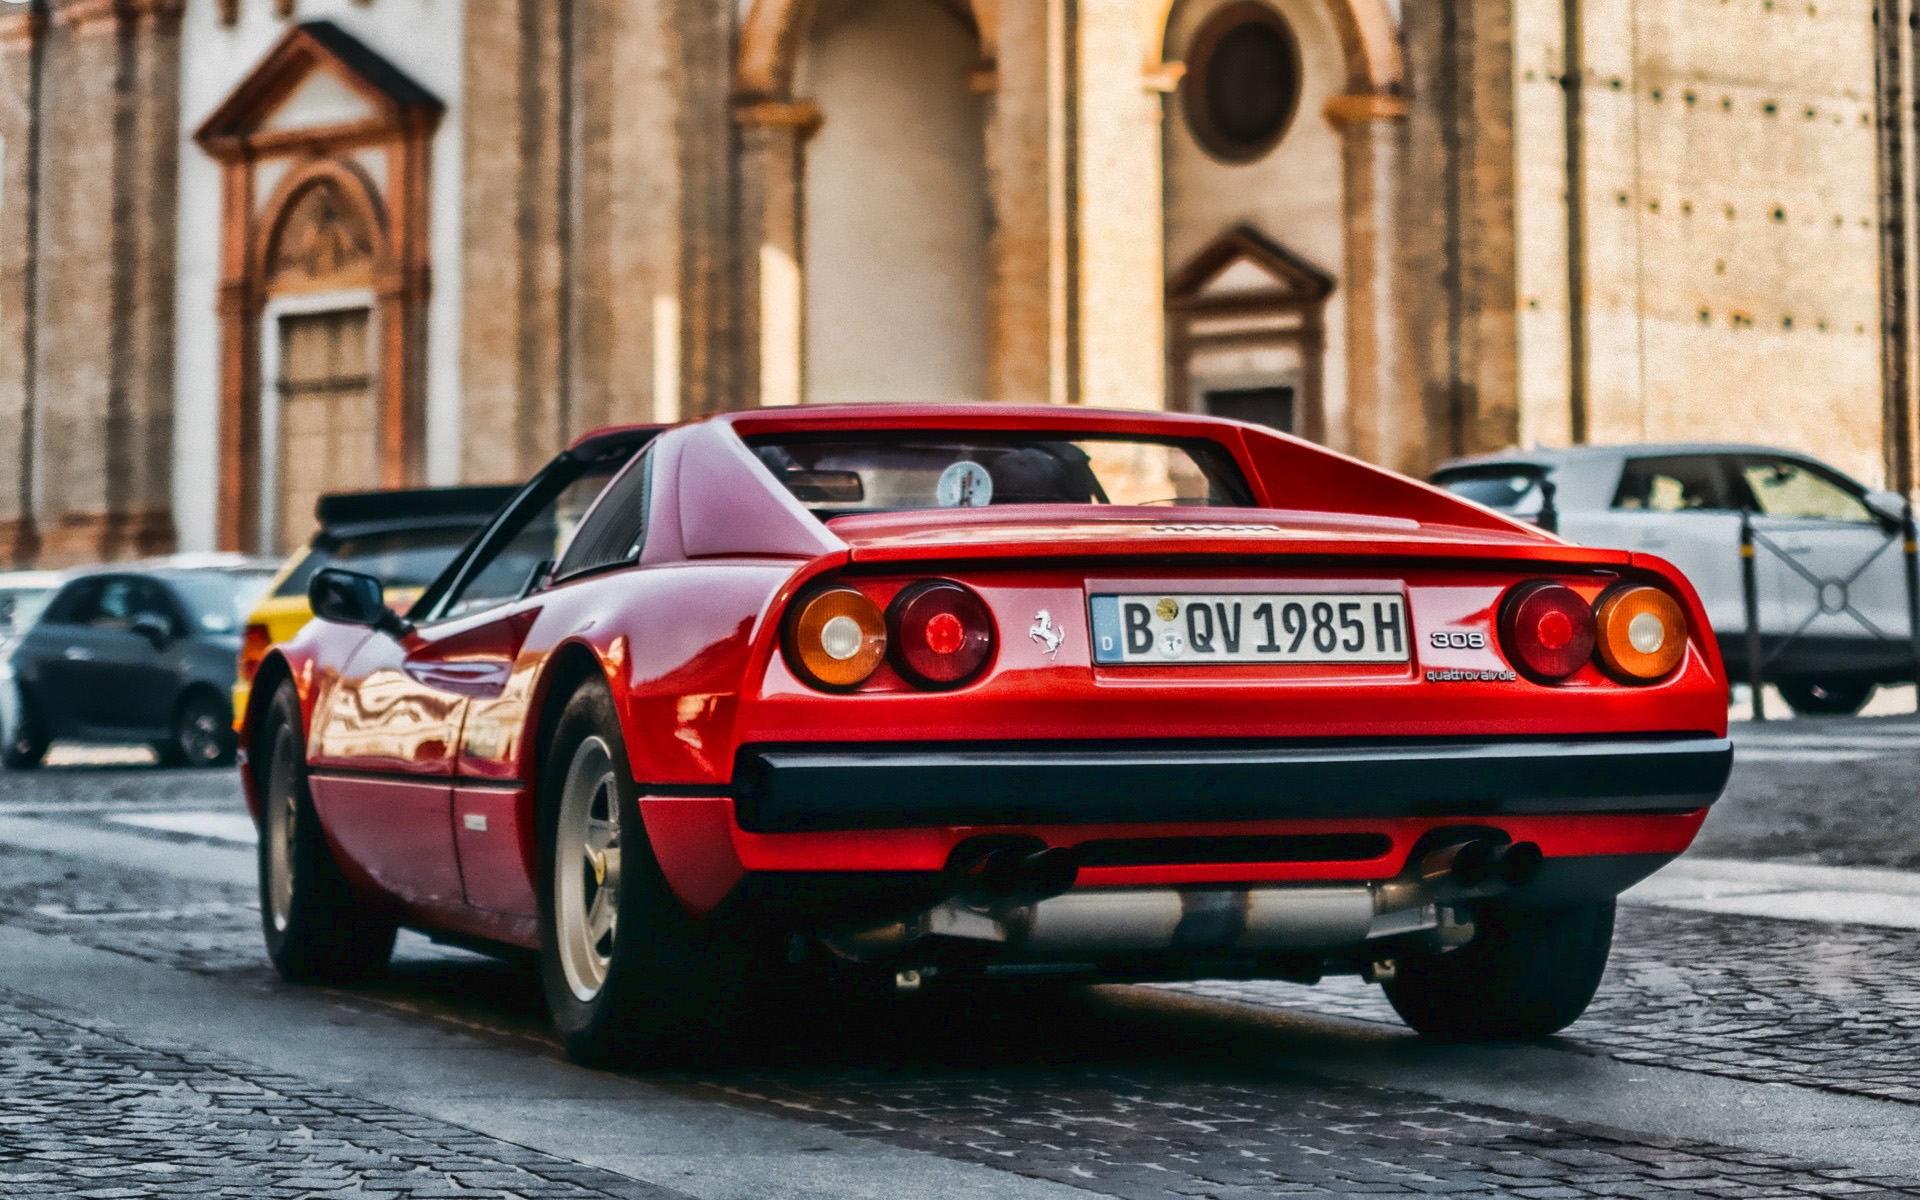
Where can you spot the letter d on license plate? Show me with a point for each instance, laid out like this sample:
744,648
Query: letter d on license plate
1316,627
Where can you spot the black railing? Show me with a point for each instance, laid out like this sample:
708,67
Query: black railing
1831,597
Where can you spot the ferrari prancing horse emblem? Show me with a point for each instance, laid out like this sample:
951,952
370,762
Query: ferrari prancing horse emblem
1044,632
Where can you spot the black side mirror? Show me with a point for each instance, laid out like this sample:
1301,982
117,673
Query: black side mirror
350,598
153,627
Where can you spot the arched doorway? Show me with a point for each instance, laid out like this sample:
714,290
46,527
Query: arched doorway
867,148
895,227
325,277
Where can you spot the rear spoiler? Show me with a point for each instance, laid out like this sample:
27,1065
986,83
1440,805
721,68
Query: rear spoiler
412,506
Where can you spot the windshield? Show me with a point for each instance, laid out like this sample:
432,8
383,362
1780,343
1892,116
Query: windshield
20,605
408,558
221,600
1511,489
839,474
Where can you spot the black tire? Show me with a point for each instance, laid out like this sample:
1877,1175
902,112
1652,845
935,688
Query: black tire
317,929
26,746
202,733
644,982
1812,698
1526,974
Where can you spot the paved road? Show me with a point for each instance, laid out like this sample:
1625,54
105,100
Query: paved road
1754,1038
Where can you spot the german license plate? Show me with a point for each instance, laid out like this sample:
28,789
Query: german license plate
1318,627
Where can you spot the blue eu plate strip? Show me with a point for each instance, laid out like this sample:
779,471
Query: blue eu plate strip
1106,629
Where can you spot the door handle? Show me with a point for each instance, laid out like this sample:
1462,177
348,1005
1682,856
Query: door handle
79,654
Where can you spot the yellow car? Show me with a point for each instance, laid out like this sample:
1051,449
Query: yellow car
403,538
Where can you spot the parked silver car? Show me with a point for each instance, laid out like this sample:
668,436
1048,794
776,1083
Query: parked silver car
1829,571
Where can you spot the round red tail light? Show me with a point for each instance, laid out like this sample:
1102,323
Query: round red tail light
941,634
1547,630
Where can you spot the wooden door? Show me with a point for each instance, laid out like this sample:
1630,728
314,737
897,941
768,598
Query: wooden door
329,416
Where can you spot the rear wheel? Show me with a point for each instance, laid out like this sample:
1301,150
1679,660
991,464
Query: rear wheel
1526,974
628,974
202,734
1812,698
317,930
26,745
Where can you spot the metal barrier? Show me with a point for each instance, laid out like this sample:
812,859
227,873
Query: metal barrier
1751,539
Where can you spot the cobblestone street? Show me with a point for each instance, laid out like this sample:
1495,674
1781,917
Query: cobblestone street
1224,1090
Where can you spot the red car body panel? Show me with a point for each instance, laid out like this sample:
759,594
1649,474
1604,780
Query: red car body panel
425,751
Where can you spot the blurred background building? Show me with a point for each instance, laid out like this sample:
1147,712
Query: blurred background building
253,250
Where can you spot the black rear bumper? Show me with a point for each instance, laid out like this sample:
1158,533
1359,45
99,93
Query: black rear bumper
782,789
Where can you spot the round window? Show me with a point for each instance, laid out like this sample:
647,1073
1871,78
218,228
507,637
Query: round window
1242,85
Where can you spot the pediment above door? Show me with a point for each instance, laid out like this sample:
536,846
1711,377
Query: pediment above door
319,83
1244,265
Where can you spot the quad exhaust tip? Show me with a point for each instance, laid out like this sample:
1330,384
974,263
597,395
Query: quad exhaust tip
1483,862
994,871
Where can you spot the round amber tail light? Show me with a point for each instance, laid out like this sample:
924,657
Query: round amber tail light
1642,633
836,639
1547,630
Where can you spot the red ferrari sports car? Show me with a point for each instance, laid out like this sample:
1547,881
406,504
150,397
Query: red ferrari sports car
943,694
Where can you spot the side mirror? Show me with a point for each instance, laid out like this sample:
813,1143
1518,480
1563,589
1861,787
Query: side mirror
1890,507
350,598
155,628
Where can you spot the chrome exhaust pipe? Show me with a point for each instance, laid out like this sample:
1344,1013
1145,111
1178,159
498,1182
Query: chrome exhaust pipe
1479,864
1017,893
996,873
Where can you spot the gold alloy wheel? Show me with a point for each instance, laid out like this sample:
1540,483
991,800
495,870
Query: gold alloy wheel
586,869
282,812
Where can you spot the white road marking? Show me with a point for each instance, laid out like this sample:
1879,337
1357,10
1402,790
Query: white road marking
1763,754
211,863
61,912
78,754
1790,891
221,826
1794,742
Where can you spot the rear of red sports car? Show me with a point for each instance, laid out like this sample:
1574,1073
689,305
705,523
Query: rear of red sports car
1250,710
937,695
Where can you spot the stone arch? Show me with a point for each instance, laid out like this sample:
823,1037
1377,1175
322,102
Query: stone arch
1369,35
335,209
774,30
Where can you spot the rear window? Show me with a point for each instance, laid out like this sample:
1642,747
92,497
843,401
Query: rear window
220,600
1511,489
19,606
841,474
411,558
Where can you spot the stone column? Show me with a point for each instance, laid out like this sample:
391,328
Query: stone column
1018,342
22,43
511,270
1122,284
1458,254
105,345
1385,424
772,192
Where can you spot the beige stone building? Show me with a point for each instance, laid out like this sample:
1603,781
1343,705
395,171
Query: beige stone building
251,250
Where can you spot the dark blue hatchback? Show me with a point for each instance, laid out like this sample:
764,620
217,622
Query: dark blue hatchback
135,653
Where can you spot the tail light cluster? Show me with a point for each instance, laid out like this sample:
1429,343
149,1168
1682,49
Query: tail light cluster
937,634
1637,633
254,645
